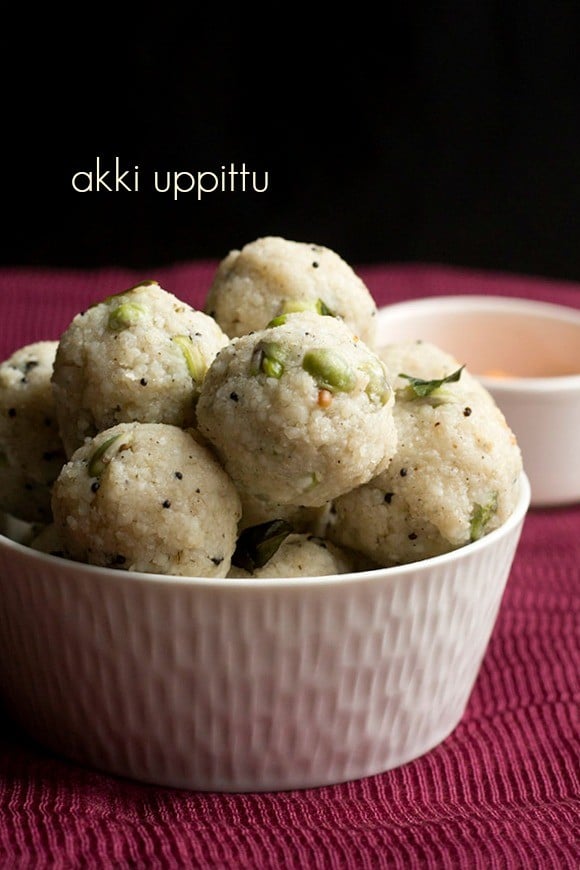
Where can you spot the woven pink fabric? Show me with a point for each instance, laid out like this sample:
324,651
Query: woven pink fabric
502,791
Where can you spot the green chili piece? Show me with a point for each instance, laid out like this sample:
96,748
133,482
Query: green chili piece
330,370
97,464
323,309
291,306
194,359
269,358
125,315
277,321
480,517
378,388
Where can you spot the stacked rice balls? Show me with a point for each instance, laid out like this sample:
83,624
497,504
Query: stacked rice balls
266,435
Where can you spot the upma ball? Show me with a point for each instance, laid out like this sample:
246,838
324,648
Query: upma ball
272,276
455,473
31,449
300,412
147,497
140,355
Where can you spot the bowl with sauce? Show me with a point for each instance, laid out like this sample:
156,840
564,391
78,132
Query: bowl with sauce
527,354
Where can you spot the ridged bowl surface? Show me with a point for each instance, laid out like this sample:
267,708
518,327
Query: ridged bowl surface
247,685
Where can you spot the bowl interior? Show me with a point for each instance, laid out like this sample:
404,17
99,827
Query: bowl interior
494,337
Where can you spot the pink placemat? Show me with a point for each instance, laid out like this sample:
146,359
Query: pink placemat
502,791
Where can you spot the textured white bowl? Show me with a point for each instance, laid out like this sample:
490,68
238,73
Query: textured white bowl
538,345
247,685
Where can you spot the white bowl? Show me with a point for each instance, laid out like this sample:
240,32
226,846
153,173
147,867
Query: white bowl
247,685
527,354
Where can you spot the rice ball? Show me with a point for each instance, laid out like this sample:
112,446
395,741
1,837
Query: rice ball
139,355
147,497
31,449
455,473
299,412
272,276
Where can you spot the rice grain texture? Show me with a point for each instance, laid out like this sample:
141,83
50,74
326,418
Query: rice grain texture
273,275
454,475
140,355
147,497
300,412
31,449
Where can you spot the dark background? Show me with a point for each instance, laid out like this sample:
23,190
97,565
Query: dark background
448,133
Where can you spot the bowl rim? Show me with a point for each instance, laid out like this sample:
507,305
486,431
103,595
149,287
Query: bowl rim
553,311
423,566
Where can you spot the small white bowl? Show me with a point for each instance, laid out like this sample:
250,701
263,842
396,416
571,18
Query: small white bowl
247,685
527,354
